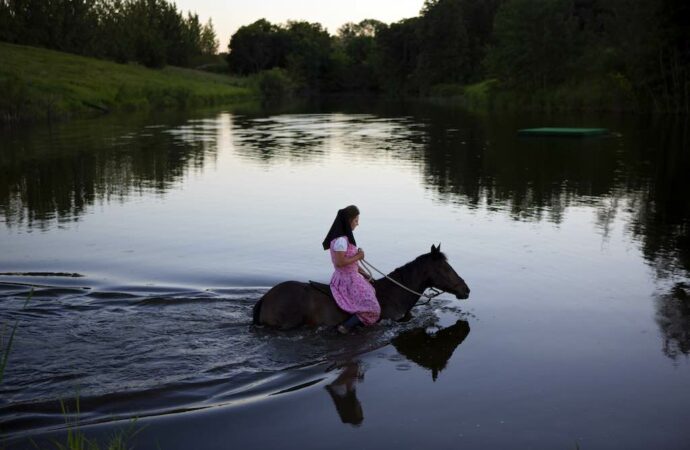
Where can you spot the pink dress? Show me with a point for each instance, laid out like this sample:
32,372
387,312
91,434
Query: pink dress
352,292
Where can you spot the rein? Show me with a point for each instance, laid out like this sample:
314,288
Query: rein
435,293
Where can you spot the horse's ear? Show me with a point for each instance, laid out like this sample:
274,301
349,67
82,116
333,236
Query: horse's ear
434,249
438,247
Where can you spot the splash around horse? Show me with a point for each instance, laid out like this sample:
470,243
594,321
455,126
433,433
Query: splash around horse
292,304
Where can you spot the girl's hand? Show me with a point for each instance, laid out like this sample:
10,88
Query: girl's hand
360,254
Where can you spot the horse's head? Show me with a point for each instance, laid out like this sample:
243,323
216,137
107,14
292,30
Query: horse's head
443,276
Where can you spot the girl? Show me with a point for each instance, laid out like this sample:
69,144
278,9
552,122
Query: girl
352,292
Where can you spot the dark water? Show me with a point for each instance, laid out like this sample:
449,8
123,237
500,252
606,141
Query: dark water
577,331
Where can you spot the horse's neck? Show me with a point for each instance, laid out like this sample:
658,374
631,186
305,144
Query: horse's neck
395,301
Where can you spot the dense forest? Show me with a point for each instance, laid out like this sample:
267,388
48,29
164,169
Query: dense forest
634,52
608,54
150,32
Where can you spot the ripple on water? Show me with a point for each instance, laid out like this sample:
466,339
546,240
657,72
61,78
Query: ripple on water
133,351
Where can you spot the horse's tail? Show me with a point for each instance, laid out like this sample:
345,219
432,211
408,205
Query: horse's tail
257,311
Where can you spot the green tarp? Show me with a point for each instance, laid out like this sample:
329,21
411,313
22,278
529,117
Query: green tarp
570,132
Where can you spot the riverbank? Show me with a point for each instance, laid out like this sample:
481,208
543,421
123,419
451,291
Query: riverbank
601,95
39,85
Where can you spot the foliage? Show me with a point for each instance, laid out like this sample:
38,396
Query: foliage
536,43
151,32
308,58
444,43
355,55
256,47
303,48
544,46
208,42
275,85
398,48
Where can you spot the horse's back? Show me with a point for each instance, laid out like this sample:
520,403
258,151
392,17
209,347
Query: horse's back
291,304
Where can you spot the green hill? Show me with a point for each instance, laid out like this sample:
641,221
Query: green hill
40,84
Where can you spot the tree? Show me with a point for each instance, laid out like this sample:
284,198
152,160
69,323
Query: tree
355,54
444,43
478,16
397,49
208,40
536,42
256,47
308,58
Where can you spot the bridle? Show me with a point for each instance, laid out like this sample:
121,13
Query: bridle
435,292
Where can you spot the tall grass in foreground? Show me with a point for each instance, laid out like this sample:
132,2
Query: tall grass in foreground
77,440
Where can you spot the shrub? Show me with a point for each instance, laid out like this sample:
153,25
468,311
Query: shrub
275,85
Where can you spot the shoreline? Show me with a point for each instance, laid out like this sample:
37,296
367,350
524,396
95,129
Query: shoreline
43,85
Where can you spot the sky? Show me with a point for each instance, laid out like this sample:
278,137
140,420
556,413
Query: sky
229,15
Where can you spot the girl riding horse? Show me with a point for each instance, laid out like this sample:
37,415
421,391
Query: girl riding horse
352,292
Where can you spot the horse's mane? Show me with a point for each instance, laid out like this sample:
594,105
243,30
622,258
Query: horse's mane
405,268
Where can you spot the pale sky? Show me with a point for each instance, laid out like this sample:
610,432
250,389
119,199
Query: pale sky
229,15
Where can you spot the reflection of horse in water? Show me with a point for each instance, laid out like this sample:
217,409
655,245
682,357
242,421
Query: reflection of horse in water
292,304
673,317
431,351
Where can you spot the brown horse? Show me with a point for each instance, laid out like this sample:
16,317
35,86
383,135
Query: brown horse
292,304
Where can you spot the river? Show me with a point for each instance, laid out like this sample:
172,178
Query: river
141,243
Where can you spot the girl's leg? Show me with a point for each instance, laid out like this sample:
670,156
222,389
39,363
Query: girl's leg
349,324
352,322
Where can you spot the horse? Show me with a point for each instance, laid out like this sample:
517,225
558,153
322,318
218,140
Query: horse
292,304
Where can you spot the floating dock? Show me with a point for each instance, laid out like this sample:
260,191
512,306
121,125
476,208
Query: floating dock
563,132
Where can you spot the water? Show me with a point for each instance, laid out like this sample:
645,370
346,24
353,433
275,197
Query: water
577,252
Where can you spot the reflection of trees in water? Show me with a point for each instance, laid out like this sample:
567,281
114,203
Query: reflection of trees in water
305,137
531,179
661,212
643,172
292,136
431,349
57,174
673,317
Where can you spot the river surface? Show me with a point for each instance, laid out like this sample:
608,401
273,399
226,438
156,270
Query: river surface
142,243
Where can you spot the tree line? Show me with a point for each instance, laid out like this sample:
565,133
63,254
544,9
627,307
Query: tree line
638,47
150,32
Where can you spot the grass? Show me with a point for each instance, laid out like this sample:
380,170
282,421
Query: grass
77,440
41,84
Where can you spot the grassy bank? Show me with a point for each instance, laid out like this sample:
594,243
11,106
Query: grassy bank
610,94
39,84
